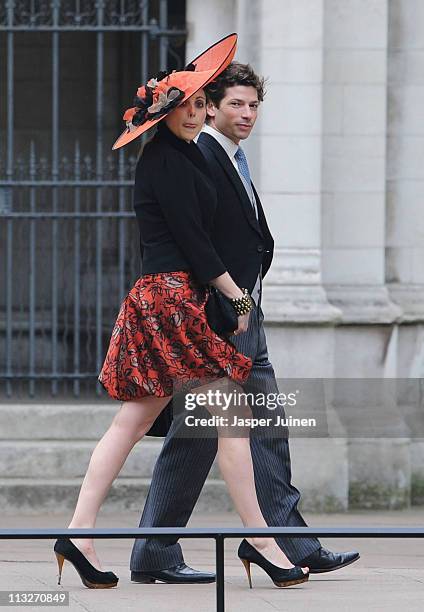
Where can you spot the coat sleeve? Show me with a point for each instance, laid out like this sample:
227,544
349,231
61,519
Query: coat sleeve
174,188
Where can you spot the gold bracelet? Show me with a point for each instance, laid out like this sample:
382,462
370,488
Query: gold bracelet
244,304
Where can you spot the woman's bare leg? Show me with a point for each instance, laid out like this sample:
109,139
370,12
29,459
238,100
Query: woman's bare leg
235,463
128,427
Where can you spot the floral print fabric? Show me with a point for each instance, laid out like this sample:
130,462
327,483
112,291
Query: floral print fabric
162,344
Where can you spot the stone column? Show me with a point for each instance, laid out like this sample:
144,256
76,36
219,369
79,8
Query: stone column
405,204
207,22
288,158
354,221
354,159
405,168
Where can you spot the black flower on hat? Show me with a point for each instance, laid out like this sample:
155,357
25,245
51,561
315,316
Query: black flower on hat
153,100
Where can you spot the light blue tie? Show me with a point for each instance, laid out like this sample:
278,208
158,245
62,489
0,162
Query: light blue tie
243,167
242,164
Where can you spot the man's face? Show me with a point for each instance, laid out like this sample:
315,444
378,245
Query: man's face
237,112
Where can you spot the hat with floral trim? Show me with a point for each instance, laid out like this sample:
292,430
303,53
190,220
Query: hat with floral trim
167,90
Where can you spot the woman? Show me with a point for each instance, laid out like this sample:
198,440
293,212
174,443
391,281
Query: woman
161,342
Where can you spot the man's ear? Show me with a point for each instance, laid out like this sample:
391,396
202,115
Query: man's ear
210,110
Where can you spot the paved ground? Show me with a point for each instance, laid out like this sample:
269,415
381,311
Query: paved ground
389,576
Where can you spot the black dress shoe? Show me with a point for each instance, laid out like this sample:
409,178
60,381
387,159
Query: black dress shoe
180,574
323,560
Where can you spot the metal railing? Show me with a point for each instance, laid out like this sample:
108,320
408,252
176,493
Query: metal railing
219,535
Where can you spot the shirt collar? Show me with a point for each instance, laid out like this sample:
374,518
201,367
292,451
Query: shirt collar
226,143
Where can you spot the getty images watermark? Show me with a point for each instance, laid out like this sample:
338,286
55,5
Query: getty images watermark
239,411
320,408
227,402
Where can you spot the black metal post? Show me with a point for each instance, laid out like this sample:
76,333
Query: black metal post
220,593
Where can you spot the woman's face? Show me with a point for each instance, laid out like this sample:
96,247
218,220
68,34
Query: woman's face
188,118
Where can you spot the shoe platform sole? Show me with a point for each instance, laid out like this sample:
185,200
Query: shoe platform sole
291,582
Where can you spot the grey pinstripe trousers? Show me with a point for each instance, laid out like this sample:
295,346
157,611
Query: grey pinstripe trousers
184,463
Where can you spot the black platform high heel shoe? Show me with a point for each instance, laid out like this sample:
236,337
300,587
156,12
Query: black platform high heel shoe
90,576
279,576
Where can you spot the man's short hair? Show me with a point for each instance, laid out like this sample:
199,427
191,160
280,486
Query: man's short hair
235,74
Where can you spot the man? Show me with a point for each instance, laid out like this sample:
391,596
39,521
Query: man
245,245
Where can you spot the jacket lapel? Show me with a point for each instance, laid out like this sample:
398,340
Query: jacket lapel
222,157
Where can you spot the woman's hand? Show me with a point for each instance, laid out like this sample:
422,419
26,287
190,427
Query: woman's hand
228,287
243,324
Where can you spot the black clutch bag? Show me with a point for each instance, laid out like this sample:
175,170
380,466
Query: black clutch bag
220,313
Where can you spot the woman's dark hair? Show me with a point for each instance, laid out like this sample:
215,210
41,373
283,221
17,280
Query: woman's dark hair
235,74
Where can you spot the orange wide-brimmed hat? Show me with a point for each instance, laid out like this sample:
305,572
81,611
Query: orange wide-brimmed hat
166,91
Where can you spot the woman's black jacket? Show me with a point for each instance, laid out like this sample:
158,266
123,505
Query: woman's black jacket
175,202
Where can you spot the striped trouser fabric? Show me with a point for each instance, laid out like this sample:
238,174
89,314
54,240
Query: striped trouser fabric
184,463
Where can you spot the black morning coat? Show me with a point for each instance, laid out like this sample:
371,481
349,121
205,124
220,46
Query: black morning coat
194,214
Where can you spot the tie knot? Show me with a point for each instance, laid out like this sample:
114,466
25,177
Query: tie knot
240,155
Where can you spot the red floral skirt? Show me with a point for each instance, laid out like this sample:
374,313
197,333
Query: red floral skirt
162,344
